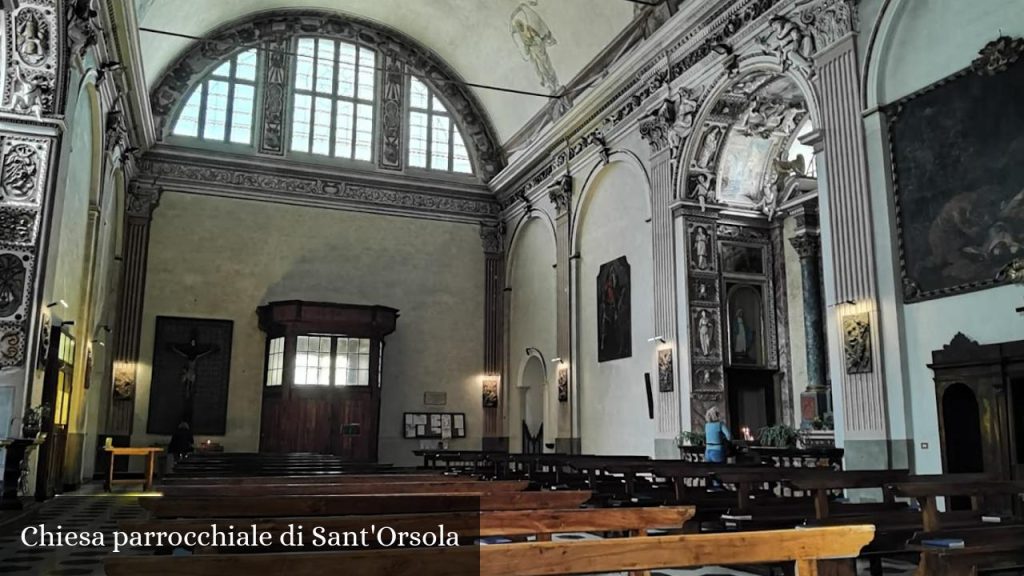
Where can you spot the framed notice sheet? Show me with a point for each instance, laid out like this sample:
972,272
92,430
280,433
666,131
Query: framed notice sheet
434,425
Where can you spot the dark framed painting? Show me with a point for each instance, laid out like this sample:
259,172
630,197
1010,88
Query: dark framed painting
957,152
191,371
742,259
614,323
666,371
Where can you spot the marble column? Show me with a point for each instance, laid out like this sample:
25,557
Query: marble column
816,399
494,282
141,202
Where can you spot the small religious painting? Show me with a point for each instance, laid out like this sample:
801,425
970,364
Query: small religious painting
191,368
614,330
666,372
857,343
745,325
960,208
490,392
704,324
563,384
742,259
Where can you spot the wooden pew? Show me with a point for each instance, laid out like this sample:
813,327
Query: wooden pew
345,488
542,523
330,478
813,551
334,505
994,548
927,489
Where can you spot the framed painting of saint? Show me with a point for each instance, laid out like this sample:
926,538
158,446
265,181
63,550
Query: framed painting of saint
614,324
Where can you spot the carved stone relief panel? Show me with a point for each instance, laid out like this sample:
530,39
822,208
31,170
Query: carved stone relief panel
34,58
392,90
18,225
275,96
20,167
17,270
857,343
12,344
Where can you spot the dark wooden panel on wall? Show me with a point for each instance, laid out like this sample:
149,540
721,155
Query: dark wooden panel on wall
197,349
957,150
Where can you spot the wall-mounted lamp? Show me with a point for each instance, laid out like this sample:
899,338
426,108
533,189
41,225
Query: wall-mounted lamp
106,328
849,302
658,339
60,303
68,323
98,341
556,360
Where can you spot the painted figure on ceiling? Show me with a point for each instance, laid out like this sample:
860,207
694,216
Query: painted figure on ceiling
533,37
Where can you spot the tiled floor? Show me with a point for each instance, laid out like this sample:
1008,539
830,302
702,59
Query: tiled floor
88,510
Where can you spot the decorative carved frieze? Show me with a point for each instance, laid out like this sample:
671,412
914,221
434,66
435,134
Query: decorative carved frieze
857,343
275,95
391,103
34,58
250,180
261,29
829,20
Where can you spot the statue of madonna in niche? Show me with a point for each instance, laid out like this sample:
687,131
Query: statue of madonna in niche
746,325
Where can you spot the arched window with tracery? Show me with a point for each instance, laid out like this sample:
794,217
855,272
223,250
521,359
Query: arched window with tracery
221,108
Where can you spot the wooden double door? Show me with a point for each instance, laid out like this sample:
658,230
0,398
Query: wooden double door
58,387
322,420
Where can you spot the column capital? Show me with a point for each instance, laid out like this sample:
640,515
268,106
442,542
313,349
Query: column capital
806,245
560,193
492,237
143,200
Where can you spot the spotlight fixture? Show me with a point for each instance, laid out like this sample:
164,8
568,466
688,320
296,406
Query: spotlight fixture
98,341
60,303
659,339
556,360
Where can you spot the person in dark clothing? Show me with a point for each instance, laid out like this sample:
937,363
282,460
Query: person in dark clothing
182,442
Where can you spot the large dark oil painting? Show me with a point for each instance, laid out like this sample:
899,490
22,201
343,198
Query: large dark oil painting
614,330
958,165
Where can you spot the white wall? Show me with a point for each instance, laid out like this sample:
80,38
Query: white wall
920,42
222,258
613,400
532,321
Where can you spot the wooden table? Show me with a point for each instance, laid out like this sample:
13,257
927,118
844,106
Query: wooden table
149,453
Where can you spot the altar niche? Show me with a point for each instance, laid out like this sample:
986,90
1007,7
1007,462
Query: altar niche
322,380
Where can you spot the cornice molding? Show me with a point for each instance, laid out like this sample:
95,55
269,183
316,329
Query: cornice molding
307,185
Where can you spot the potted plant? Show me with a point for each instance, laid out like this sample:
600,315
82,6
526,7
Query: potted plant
33,420
778,436
688,438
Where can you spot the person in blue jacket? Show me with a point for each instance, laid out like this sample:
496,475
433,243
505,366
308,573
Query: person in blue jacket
716,435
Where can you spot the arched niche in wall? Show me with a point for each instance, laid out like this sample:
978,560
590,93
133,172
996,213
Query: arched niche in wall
614,309
531,287
745,175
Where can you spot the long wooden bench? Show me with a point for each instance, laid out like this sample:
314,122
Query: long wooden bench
813,551
327,478
345,488
334,505
540,523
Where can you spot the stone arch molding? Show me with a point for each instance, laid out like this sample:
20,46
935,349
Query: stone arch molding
273,32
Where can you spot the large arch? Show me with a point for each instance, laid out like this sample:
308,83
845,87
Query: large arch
612,220
532,291
272,31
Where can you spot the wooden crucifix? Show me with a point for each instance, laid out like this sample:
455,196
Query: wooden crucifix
191,352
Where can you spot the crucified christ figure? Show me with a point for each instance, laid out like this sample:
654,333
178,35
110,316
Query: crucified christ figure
191,352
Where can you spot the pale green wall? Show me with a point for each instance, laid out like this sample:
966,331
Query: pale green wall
921,42
221,258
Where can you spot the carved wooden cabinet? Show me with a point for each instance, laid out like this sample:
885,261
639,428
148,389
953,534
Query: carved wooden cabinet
322,377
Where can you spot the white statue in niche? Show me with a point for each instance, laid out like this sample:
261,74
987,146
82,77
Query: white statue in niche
700,245
709,148
533,37
704,332
739,335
